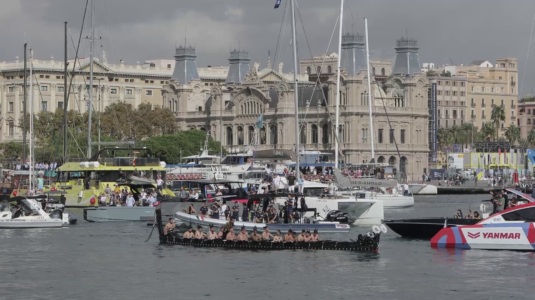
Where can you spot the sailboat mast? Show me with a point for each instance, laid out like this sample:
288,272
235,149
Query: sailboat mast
337,113
24,106
90,104
31,121
369,87
296,95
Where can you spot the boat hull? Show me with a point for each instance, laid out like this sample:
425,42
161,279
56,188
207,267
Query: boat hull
500,236
22,222
323,227
373,215
423,189
110,214
424,228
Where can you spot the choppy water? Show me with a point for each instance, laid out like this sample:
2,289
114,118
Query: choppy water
111,261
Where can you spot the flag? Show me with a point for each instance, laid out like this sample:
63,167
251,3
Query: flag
277,4
499,156
259,124
505,156
134,162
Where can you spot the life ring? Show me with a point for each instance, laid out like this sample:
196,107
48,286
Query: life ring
168,177
53,189
383,228
376,229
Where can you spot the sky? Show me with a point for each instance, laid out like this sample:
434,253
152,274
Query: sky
448,32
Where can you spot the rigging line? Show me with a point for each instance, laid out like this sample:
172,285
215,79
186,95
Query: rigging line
279,39
109,28
352,17
527,55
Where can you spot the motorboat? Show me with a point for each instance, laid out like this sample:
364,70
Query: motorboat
510,229
424,228
31,215
423,189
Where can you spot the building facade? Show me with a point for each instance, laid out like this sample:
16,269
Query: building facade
526,118
230,107
133,84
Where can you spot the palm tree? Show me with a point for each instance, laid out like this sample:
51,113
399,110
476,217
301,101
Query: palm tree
523,143
487,130
497,116
531,137
455,132
512,134
468,131
443,137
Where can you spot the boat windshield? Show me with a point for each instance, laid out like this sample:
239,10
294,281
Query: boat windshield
314,192
28,206
4,206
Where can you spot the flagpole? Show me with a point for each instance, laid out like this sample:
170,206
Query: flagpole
337,113
296,96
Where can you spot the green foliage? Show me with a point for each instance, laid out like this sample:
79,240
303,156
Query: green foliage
431,73
185,143
445,74
528,98
11,150
497,116
512,134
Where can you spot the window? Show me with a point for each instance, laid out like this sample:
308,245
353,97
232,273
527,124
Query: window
526,214
329,69
11,128
47,76
402,133
44,88
58,77
380,136
41,76
319,70
383,73
230,137
129,91
60,89
11,89
60,104
391,136
126,80
152,81
148,92
483,102
492,101
308,70
454,83
472,88
439,93
447,92
462,94
10,107
113,91
116,79
314,134
447,83
439,82
44,105
131,80
462,84
529,121
364,135
455,114
473,113
169,66
454,93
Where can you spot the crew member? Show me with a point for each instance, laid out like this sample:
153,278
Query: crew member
188,234
307,237
289,237
243,236
245,213
290,207
255,237
215,211
169,227
229,224
236,210
277,238
315,237
212,235
258,217
230,235
301,237
204,210
199,235
266,235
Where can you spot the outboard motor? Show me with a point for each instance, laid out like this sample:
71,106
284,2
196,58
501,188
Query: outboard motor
56,214
337,216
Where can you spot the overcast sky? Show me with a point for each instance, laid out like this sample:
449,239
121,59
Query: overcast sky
452,31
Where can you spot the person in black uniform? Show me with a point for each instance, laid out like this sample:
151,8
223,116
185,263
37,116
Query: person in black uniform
245,213
236,211
18,213
215,211
204,210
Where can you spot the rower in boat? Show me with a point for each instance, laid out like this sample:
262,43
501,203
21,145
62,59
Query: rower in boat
315,237
277,238
188,234
307,237
212,235
255,237
230,235
243,236
301,237
221,233
289,237
266,235
199,235
169,227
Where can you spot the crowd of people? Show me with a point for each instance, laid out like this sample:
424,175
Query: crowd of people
227,233
40,166
124,197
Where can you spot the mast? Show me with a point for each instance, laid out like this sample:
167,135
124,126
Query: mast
65,99
31,120
24,106
337,113
90,104
369,87
294,44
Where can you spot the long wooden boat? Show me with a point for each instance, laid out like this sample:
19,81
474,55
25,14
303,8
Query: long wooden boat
364,243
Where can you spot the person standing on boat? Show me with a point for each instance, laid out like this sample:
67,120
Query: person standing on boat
227,212
130,201
229,224
301,184
266,235
107,190
183,195
291,183
40,183
215,211
204,210
236,210
245,213
159,183
505,198
169,227
18,212
212,235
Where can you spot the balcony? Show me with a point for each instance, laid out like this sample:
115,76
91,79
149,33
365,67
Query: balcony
513,106
473,117
455,116
513,83
447,117
483,117
483,105
473,105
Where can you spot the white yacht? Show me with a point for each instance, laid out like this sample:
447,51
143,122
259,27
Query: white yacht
33,216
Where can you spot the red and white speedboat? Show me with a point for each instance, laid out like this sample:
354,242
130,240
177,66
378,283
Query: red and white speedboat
511,229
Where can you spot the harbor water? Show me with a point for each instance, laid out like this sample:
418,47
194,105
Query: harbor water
112,261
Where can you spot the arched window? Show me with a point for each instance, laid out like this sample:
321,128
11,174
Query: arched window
319,70
329,69
303,134
240,136
252,107
230,136
314,134
273,135
381,159
309,70
383,72
325,134
392,161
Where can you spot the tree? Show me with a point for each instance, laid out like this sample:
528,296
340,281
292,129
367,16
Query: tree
497,116
11,150
456,134
512,134
445,73
523,143
431,73
468,131
487,131
531,137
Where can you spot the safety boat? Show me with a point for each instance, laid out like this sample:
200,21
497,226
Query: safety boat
511,229
364,243
30,214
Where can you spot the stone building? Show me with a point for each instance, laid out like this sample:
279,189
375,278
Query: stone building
229,107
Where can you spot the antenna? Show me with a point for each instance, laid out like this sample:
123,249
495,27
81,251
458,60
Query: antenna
185,36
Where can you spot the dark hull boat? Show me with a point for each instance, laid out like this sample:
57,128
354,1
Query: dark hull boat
364,243
424,228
